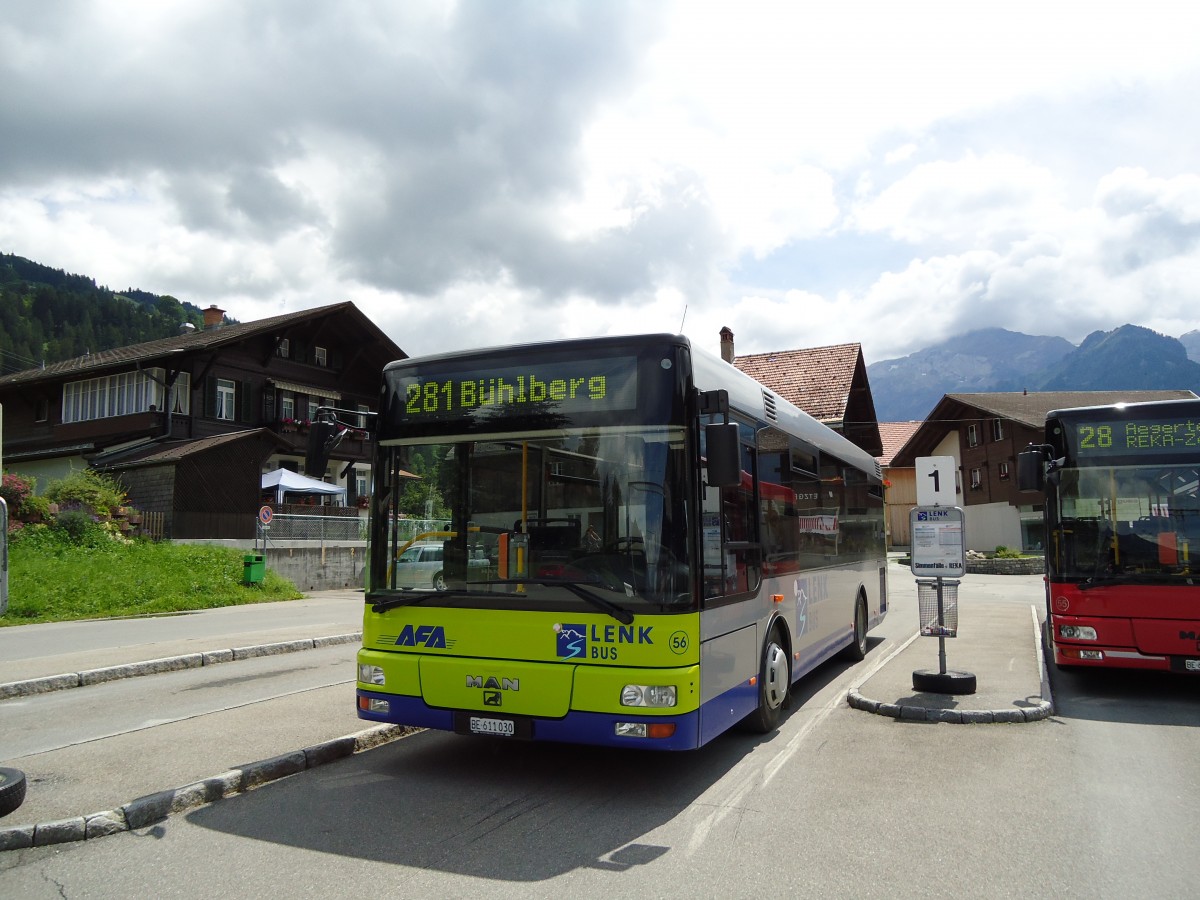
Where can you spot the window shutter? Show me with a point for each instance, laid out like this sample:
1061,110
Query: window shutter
210,396
245,408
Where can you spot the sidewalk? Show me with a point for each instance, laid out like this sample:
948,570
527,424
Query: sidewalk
1000,645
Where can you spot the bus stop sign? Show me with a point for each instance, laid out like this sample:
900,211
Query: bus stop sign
937,541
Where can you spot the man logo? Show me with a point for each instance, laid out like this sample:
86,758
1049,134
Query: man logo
491,698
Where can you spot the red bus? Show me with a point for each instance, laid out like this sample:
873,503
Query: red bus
1122,523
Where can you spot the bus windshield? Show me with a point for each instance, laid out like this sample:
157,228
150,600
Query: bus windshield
541,521
1128,522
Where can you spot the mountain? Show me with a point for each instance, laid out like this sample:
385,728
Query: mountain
988,359
993,359
1128,358
1191,343
48,315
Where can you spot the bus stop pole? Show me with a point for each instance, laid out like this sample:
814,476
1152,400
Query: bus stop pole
941,630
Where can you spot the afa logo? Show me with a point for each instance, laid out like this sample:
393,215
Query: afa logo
431,637
570,641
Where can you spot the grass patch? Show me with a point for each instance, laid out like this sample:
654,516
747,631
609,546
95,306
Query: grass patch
54,577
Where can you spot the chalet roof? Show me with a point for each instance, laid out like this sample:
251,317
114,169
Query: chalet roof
894,436
1031,408
817,380
161,452
1025,408
208,339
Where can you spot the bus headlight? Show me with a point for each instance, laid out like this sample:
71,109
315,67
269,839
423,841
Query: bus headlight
657,695
369,674
1077,632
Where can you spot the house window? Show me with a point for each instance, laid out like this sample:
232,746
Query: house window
362,418
116,395
226,392
313,404
321,356
41,410
997,429
972,436
283,348
1003,471
976,479
181,394
287,406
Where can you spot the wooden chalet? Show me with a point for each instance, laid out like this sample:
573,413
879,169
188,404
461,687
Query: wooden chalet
188,424
983,433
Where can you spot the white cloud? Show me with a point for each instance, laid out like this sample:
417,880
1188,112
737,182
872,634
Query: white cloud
805,174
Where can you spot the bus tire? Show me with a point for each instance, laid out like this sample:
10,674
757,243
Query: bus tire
12,790
774,686
857,651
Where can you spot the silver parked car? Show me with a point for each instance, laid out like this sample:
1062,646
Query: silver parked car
420,566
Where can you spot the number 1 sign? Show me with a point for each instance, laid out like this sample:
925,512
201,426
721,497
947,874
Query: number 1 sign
935,481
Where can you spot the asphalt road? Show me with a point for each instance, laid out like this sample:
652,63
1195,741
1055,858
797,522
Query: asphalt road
1095,801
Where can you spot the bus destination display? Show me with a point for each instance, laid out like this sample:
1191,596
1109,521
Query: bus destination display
567,387
1147,437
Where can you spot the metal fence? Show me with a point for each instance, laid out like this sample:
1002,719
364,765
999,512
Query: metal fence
294,527
306,527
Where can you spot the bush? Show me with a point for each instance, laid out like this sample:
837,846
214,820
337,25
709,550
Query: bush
16,491
1003,552
87,488
79,527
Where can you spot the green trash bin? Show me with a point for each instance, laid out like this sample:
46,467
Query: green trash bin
254,567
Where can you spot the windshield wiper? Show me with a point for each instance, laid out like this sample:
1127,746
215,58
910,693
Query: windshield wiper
412,598
1134,578
620,613
409,598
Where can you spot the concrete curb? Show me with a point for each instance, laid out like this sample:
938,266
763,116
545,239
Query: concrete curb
167,664
152,808
1035,711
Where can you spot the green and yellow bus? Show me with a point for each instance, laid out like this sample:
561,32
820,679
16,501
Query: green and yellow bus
642,546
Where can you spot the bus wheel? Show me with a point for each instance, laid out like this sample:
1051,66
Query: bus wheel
439,581
774,684
858,649
12,790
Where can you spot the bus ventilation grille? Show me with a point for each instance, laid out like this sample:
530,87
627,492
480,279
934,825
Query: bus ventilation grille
769,405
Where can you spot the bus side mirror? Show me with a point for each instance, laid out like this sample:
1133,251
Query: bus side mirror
1031,470
322,438
722,451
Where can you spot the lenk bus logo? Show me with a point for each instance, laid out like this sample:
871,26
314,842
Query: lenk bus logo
571,641
431,637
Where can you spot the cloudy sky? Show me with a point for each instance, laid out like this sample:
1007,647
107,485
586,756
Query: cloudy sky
473,173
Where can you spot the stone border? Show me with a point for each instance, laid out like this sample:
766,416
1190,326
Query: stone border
153,808
1042,709
1024,565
